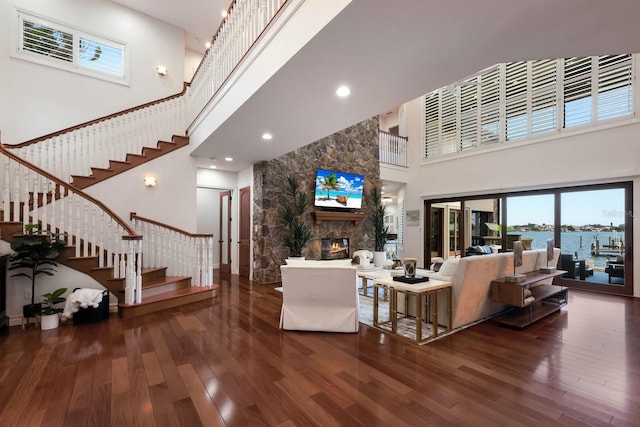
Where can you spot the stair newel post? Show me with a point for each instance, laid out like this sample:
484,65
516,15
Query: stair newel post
6,200
78,226
16,192
130,273
94,249
24,196
138,268
101,251
196,261
211,261
108,248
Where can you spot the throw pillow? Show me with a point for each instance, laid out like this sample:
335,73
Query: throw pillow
449,267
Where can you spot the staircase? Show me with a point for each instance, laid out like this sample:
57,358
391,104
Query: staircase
103,245
131,161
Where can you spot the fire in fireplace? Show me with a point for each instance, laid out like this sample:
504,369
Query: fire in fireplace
334,248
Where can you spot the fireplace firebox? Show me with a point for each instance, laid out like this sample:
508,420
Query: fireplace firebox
334,248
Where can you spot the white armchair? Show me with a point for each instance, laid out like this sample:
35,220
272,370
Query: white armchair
317,298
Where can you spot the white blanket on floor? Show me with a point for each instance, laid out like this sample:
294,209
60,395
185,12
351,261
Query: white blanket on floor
81,298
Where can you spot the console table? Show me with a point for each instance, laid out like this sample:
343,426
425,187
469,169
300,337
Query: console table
426,296
530,303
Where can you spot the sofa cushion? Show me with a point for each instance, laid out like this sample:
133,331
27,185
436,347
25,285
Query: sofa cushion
449,267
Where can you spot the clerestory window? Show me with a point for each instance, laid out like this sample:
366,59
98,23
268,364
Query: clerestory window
61,46
516,101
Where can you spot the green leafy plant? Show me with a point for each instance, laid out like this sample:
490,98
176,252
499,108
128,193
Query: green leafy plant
36,252
51,299
296,233
376,219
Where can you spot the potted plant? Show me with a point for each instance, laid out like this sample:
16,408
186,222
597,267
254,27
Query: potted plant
50,318
35,252
296,233
380,231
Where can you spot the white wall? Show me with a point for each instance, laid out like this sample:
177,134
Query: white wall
208,222
587,156
191,62
37,100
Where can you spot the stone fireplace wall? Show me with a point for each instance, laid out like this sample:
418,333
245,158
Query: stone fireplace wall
353,150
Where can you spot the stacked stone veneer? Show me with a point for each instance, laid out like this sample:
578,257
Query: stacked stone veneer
352,150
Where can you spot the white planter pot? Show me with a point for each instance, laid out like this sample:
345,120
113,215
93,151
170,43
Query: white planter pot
379,259
49,321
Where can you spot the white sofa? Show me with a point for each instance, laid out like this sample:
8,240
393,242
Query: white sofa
319,296
471,280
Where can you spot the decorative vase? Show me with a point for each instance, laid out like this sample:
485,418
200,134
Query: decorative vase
378,259
49,321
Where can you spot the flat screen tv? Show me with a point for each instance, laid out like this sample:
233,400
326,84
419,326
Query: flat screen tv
338,190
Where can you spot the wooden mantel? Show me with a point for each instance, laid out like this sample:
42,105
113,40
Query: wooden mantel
319,216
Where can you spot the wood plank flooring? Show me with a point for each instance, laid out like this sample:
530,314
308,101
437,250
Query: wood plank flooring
224,362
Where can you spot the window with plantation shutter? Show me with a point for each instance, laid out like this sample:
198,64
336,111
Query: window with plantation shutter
577,91
448,122
490,106
61,46
614,86
544,97
514,101
432,125
468,114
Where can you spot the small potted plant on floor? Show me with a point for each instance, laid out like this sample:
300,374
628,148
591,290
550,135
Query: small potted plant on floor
50,313
35,253
296,233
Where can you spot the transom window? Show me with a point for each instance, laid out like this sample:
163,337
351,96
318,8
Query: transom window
514,101
61,46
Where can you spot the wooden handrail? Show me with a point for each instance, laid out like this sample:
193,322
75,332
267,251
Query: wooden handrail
101,119
125,225
133,216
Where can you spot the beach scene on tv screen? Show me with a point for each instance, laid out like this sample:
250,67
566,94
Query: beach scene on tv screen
338,189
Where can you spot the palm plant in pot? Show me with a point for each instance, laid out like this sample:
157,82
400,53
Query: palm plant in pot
296,233
35,253
380,231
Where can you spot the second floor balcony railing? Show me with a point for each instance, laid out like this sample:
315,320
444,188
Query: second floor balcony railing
393,149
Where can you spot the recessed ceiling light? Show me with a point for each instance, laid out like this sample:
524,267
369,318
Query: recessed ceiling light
212,167
224,14
267,136
207,45
228,159
343,91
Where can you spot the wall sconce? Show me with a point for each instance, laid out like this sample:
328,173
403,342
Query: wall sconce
150,181
162,70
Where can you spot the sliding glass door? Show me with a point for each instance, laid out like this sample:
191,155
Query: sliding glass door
589,224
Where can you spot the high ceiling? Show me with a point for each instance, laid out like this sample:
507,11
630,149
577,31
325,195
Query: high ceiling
390,52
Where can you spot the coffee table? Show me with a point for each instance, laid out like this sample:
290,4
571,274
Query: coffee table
426,295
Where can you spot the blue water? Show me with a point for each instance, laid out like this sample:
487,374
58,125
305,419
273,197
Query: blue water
572,242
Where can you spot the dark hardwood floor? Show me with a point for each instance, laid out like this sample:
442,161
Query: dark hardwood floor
225,362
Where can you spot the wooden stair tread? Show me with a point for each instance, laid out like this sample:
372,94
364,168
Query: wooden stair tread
192,290
164,281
